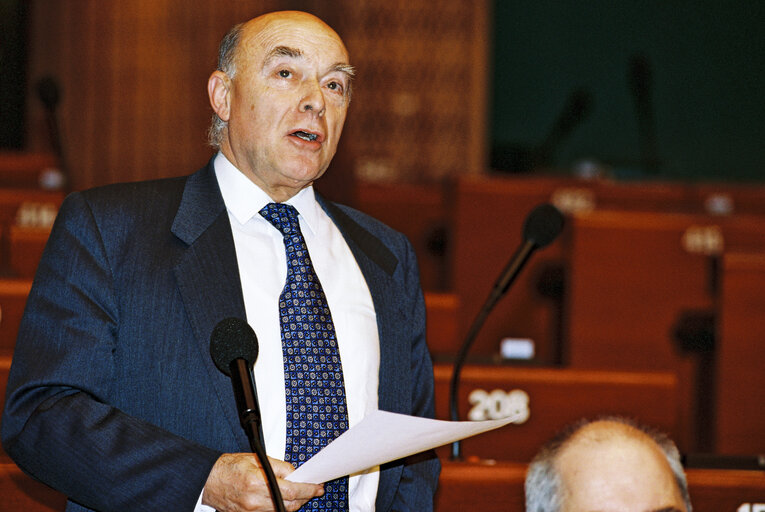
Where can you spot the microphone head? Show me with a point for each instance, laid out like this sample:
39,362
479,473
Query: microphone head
543,225
48,92
232,339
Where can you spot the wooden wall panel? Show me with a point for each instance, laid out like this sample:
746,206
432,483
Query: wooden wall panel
133,77
740,389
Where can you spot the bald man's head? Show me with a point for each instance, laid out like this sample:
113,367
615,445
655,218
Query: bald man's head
280,98
607,465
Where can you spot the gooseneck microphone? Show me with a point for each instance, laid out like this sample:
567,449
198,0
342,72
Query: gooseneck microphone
234,349
541,227
49,93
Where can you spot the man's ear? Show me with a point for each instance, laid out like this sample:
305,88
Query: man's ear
218,89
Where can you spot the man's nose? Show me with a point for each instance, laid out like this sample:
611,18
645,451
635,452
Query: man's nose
313,98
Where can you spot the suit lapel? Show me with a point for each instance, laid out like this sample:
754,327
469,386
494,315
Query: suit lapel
208,275
210,287
378,265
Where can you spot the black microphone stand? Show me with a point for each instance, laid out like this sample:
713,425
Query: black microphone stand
250,418
511,271
541,227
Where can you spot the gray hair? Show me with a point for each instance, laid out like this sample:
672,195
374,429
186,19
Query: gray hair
226,64
543,482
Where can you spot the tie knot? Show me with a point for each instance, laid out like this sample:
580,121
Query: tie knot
284,217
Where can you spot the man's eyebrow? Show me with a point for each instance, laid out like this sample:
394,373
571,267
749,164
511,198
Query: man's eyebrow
296,53
284,51
345,68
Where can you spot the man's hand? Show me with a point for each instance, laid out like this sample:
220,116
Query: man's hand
237,483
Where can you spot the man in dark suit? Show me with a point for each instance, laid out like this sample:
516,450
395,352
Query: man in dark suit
113,398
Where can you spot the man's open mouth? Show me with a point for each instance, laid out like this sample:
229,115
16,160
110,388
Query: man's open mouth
310,137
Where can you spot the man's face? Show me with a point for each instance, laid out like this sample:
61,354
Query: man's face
619,475
287,102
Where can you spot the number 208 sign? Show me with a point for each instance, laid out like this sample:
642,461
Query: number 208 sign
751,507
498,404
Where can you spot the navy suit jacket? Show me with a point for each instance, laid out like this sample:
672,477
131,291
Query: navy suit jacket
113,398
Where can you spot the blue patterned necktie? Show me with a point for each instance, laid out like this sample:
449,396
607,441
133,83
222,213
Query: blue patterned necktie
313,375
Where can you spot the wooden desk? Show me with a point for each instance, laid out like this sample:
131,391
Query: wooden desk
556,398
21,492
488,226
740,378
20,169
488,222
632,277
488,486
498,486
420,212
24,249
12,199
441,316
5,366
13,298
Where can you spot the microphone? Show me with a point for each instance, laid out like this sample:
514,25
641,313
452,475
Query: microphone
640,82
49,94
234,349
543,225
578,106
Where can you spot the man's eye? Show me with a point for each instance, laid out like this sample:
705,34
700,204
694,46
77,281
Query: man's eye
334,86
285,73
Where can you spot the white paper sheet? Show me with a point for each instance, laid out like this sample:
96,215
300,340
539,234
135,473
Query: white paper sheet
382,437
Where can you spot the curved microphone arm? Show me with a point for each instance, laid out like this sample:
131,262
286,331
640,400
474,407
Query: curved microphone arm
541,227
511,271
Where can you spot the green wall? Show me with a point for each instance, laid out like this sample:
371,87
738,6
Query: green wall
707,68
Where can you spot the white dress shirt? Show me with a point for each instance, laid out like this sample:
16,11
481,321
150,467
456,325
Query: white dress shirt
263,272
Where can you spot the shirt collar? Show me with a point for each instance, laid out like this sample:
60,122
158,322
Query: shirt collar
244,199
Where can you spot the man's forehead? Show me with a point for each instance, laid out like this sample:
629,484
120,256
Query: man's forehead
294,39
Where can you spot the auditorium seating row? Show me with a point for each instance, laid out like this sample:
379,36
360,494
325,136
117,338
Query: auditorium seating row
620,310
487,486
29,170
645,277
26,216
29,202
28,207
492,486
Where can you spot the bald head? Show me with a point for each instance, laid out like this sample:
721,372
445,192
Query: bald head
243,37
280,98
291,20
607,466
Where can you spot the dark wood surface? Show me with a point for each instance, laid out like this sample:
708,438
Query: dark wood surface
21,169
13,298
22,493
485,486
556,397
441,316
488,223
421,213
491,486
634,279
25,246
5,366
740,379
